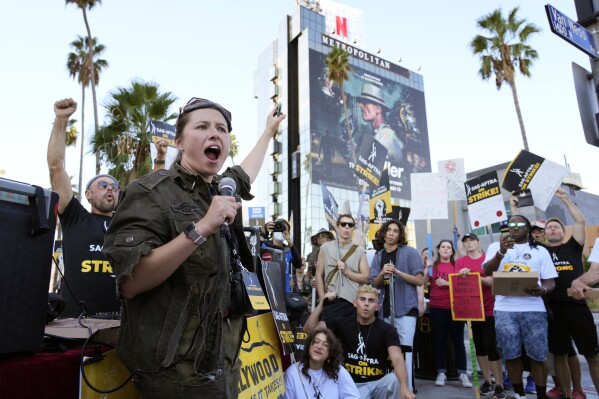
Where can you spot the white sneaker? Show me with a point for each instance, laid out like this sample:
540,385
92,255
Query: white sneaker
441,379
465,381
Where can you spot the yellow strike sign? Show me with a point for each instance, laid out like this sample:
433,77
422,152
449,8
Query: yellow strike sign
261,375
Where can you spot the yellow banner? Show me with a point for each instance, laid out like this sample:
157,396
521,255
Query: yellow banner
379,207
261,368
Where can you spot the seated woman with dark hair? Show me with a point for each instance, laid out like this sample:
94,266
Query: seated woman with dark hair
319,374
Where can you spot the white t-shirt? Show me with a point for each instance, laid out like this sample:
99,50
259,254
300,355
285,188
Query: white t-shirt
298,387
522,258
594,257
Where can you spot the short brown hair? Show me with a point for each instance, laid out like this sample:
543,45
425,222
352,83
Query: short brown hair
345,215
556,220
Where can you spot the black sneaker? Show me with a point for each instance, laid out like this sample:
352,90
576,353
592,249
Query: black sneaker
499,393
486,389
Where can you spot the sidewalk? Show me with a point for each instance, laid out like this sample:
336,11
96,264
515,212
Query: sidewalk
426,389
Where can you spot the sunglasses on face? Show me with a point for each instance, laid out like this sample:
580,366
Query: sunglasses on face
199,103
519,225
103,185
347,224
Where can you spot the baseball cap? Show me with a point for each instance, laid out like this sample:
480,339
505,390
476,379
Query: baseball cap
538,224
470,235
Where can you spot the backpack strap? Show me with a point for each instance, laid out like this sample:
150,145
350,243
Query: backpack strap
349,253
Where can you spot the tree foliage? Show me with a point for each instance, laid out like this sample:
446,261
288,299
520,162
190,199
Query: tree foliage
85,5
504,50
124,141
234,149
337,62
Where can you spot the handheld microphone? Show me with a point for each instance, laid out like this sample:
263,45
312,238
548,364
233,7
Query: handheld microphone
226,187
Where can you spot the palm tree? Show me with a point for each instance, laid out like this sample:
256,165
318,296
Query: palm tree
78,64
337,62
84,5
234,149
124,141
504,50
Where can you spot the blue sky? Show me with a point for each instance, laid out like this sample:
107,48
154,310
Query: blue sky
210,50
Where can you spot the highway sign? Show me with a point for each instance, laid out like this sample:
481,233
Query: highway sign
571,31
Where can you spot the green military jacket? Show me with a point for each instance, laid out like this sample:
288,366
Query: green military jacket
152,211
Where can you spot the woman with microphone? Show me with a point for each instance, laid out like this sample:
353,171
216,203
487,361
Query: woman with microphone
172,263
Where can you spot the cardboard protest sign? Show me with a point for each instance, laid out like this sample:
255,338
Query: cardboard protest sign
429,196
163,131
541,176
371,160
455,175
397,212
261,373
485,203
514,283
466,296
380,205
331,208
276,296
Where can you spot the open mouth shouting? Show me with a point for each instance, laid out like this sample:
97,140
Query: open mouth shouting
213,152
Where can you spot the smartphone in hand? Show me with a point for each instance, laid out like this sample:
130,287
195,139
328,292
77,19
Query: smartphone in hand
278,110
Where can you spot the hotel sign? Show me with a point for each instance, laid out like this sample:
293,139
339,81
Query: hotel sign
363,55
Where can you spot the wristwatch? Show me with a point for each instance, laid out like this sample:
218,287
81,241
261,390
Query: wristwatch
192,233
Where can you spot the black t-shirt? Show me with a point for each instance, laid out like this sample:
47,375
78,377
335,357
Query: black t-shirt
567,259
365,348
387,257
87,272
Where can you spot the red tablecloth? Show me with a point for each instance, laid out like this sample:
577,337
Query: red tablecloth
41,376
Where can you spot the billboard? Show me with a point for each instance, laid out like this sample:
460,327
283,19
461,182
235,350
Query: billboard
377,107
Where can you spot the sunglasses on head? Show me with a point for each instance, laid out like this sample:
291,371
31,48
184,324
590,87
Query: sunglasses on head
519,225
347,224
103,185
199,103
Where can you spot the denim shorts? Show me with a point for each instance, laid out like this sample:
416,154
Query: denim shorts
515,329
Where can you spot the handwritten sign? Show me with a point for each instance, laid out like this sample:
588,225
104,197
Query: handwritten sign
455,176
429,196
466,297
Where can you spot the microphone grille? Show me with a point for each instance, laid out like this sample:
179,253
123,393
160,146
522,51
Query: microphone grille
227,182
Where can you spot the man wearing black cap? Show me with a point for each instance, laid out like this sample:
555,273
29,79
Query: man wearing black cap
88,276
483,331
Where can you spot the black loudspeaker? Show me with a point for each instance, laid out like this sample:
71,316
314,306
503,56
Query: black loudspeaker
27,226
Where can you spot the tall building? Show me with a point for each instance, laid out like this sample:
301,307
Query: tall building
316,148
